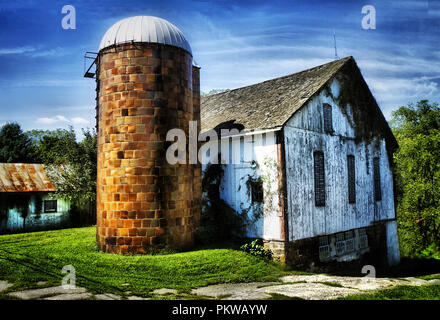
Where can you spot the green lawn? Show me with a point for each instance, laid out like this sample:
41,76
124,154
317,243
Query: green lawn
400,293
26,259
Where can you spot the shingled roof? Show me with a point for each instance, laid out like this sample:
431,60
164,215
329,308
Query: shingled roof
268,104
22,177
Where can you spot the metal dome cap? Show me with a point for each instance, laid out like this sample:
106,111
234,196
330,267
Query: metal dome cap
144,29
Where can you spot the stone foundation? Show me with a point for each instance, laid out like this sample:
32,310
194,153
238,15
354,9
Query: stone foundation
278,249
305,253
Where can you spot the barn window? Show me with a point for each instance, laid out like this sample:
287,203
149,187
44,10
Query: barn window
327,110
363,239
318,159
340,244
257,191
324,248
351,179
50,206
349,241
376,174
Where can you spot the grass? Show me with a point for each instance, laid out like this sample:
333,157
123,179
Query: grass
430,277
28,258
279,296
400,293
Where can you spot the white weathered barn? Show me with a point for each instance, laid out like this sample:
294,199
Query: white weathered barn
308,158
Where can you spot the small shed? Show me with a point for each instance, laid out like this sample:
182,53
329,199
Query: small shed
27,200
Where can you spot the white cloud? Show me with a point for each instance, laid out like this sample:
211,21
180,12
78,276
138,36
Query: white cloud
61,118
79,120
46,120
394,92
35,52
17,50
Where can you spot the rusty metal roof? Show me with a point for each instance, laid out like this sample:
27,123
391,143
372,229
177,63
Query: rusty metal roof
24,177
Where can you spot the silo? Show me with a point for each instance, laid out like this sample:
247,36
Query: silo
146,85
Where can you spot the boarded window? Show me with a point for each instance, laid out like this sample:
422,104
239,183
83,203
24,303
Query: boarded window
50,206
327,109
257,191
318,158
351,179
376,174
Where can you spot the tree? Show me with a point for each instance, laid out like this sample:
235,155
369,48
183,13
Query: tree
76,180
15,146
417,130
70,165
213,91
54,147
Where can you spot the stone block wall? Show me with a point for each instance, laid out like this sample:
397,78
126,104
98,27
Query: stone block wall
304,254
144,203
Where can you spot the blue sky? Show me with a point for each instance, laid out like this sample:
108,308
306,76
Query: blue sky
236,43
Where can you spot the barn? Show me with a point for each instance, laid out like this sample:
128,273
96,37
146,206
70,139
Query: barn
27,201
308,159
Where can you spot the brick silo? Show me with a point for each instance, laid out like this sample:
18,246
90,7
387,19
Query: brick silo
146,85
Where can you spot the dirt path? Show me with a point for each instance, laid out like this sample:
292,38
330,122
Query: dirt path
310,287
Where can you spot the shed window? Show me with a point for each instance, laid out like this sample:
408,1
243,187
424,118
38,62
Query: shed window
376,174
327,110
50,206
257,191
351,179
318,158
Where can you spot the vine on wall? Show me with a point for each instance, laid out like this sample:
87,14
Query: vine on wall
267,173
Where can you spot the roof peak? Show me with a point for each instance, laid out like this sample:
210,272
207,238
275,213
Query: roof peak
344,60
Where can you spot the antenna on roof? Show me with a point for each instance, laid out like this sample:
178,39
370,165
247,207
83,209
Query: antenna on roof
334,40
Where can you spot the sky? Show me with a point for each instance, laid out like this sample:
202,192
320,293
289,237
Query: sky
236,43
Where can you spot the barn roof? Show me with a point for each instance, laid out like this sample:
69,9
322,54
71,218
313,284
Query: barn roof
268,104
22,177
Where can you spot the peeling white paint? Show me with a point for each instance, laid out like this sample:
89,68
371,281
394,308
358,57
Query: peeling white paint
261,148
304,135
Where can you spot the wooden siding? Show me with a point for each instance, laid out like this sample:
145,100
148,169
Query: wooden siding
261,148
304,135
13,221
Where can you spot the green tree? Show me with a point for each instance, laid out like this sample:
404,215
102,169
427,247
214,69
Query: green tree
15,146
213,91
71,166
417,130
55,146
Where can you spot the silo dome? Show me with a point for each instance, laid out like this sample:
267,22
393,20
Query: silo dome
144,29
